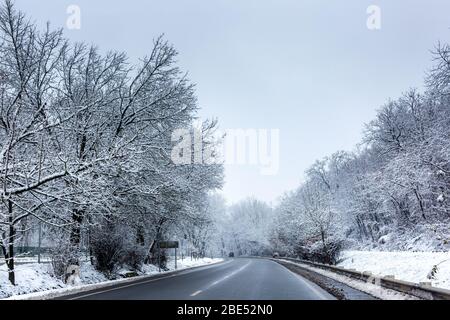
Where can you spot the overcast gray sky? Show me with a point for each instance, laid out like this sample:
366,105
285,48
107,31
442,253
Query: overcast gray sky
309,68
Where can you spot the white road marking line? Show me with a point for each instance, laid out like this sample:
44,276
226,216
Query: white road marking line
226,277
121,287
309,284
196,293
148,281
321,295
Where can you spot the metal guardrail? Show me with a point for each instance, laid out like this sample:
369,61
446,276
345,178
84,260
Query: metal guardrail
420,290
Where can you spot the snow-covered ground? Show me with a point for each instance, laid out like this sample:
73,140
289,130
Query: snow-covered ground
39,278
404,265
425,237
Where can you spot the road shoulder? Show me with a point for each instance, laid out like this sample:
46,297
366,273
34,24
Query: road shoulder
337,289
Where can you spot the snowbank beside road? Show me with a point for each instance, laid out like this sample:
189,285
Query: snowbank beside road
415,267
35,277
29,278
37,280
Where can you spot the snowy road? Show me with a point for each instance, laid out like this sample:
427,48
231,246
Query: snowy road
239,279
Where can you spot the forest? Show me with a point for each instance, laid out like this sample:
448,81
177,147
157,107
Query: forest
390,193
87,170
85,150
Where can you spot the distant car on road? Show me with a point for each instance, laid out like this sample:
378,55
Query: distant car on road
231,254
275,255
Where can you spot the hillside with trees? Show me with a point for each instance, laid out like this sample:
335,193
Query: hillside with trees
390,194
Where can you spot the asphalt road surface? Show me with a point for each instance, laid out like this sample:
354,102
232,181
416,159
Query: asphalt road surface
234,279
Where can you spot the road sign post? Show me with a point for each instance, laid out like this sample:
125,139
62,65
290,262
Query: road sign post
169,245
39,241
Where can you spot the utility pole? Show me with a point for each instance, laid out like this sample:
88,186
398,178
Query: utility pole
39,241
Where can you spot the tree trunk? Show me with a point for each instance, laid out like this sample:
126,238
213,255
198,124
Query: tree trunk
78,214
325,248
10,252
419,200
75,234
150,257
89,241
140,238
